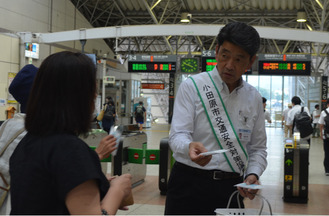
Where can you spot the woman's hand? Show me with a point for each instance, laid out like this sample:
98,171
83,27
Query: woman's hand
106,146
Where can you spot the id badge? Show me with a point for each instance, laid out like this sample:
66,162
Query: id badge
244,135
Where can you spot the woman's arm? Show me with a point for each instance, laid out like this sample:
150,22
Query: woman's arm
85,198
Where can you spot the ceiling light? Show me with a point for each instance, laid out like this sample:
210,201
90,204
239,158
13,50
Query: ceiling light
185,17
301,16
309,27
319,3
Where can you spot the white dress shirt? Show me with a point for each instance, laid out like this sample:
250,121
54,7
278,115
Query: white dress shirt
321,121
316,113
291,115
285,114
267,116
189,123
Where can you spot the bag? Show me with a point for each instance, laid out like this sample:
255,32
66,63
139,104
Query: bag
139,111
4,185
244,211
326,123
303,122
100,116
109,112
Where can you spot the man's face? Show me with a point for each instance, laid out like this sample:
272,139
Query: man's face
232,62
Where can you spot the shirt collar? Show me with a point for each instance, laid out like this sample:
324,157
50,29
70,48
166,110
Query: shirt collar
218,80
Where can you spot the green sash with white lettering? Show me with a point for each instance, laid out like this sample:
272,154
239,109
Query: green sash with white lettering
220,122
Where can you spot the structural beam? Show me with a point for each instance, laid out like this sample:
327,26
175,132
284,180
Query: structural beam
170,29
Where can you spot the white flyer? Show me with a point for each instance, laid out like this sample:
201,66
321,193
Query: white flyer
250,186
213,152
117,134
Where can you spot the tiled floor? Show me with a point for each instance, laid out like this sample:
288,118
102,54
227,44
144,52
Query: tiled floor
148,200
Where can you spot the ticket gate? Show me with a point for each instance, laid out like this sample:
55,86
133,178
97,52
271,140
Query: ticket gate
165,164
133,156
296,162
121,164
93,139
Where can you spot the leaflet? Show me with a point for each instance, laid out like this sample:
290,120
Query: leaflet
117,134
250,186
213,152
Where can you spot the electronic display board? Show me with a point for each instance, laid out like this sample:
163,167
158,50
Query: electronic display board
152,63
286,64
208,61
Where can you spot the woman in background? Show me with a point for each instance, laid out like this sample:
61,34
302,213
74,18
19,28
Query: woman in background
52,170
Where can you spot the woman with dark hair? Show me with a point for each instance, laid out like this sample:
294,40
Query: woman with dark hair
52,170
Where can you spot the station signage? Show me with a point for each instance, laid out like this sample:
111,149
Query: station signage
284,64
153,85
152,63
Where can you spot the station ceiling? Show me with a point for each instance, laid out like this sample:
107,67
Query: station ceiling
276,13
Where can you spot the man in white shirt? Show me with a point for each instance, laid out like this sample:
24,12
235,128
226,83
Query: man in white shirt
213,111
266,113
287,129
296,108
325,137
316,116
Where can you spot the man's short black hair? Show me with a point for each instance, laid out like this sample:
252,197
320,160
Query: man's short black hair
295,100
264,100
316,106
242,35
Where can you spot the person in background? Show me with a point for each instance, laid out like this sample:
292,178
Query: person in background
210,110
316,116
140,115
287,130
266,113
13,129
52,170
325,137
296,108
109,115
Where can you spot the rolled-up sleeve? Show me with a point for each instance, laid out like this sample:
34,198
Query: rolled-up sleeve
182,125
257,147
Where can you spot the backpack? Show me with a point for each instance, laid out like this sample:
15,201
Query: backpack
326,123
303,123
139,111
109,112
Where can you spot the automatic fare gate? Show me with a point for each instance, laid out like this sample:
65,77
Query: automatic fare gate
296,162
133,155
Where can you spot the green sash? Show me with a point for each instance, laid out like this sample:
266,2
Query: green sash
220,122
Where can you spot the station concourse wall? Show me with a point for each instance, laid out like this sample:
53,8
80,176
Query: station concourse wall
38,16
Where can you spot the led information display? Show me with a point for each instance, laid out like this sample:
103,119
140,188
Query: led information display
208,60
152,64
289,64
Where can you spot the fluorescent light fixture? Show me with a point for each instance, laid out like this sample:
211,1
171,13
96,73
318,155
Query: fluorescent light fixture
185,18
301,16
319,3
309,27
